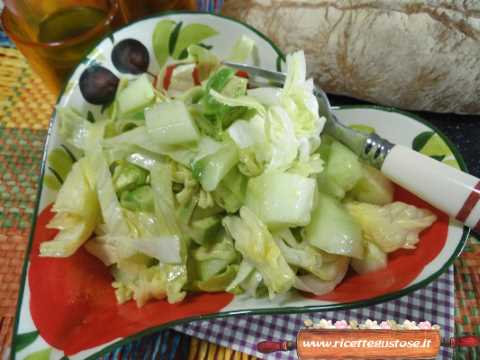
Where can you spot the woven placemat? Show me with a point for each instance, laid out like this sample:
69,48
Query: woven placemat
25,108
467,297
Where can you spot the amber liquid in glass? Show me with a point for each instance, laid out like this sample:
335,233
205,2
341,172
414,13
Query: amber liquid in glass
68,23
61,26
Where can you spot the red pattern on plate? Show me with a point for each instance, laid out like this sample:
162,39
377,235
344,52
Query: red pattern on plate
73,304
403,265
74,307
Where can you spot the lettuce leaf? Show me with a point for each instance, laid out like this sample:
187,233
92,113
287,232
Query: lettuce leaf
392,226
112,212
245,101
256,244
301,104
136,278
207,62
73,127
242,50
282,140
313,284
161,182
77,213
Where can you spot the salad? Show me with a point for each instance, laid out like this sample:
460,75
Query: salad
196,182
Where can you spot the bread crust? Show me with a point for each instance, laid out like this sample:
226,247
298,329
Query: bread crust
419,55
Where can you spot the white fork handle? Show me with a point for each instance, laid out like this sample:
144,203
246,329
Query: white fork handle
448,189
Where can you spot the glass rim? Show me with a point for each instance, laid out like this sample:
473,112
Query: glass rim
114,8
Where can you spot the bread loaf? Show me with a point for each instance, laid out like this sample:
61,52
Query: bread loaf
419,55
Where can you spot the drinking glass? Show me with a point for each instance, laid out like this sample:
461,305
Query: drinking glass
54,35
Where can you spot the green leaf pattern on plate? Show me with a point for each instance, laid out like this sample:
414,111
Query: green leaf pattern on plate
173,39
96,57
192,34
25,339
431,144
161,34
39,355
279,63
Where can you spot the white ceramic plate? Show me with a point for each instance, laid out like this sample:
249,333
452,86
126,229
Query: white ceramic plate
67,306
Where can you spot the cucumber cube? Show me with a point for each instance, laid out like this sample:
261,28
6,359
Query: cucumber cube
333,229
170,123
138,94
342,172
373,187
281,199
211,169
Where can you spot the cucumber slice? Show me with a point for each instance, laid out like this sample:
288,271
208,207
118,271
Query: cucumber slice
375,259
230,193
170,123
329,186
373,187
342,172
281,199
138,94
203,230
211,169
333,229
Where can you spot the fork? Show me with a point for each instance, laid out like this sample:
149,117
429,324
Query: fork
448,189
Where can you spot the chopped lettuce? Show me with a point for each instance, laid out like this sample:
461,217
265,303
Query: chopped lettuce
256,244
140,279
268,96
219,281
282,140
301,104
76,213
73,127
242,50
200,183
112,213
214,265
245,101
206,61
161,181
313,284
392,226
373,260
139,199
230,192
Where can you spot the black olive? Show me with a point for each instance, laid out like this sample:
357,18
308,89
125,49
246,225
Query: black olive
130,56
98,85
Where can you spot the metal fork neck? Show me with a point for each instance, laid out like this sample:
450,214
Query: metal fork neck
375,150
